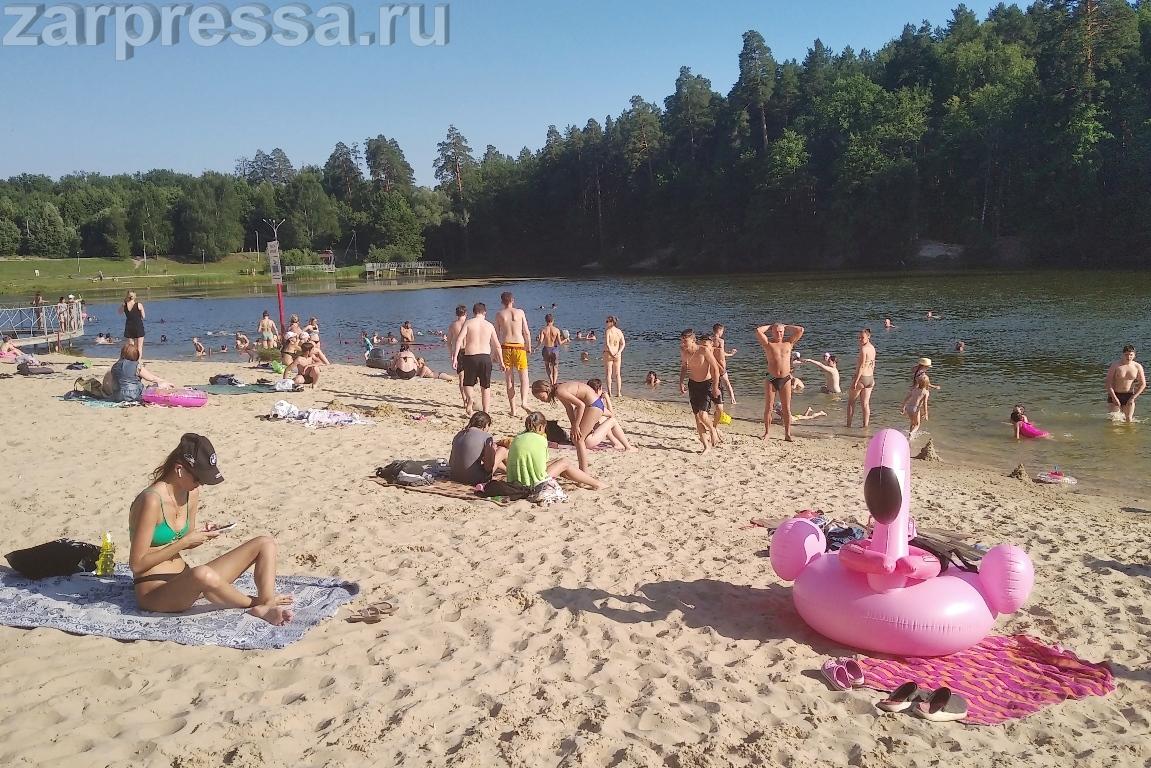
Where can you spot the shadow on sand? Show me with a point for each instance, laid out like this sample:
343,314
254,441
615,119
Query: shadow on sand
734,611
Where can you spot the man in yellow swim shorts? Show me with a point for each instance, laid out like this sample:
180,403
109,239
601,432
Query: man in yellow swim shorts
516,344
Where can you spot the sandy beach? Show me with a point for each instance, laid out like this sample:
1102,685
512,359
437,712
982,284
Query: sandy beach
638,626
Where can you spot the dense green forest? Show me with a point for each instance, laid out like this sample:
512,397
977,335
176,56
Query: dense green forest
1028,132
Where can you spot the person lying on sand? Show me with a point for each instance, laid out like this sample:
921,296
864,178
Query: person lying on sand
807,415
162,525
427,372
527,462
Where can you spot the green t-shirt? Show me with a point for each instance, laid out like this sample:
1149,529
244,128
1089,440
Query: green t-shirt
528,459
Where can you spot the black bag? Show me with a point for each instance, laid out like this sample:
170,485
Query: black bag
224,378
556,434
511,491
436,468
24,369
62,557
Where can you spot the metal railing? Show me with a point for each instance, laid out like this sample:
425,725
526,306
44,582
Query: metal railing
375,269
40,324
309,268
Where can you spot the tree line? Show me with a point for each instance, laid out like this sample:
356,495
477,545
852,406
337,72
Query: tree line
1026,132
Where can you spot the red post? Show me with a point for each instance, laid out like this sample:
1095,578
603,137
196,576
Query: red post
280,301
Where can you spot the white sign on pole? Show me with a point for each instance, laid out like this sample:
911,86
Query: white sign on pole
274,268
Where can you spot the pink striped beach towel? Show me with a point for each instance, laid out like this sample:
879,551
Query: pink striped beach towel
1002,678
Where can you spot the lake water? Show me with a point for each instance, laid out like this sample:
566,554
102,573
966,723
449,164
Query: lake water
1044,340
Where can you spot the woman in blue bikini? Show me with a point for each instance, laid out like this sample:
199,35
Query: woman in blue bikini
585,410
162,524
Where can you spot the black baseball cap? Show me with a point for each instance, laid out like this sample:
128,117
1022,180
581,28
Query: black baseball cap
197,452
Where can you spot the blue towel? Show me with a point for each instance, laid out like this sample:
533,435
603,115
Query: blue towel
85,604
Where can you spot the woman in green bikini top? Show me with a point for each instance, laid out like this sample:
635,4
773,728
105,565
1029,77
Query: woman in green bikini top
162,525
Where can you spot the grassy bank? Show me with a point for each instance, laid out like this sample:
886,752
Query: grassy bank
83,276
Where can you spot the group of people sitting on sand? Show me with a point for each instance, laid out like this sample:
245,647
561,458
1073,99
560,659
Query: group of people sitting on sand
405,365
523,461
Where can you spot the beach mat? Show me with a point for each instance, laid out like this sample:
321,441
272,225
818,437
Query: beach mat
95,402
230,389
85,604
446,488
1002,678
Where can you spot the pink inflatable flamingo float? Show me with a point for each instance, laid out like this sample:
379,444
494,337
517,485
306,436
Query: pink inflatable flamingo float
881,594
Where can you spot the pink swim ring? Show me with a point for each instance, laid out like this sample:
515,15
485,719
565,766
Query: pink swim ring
882,594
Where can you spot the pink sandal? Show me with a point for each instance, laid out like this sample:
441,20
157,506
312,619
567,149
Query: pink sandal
836,675
843,673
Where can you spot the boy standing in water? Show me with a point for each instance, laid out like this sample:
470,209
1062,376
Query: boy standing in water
613,346
550,341
1126,380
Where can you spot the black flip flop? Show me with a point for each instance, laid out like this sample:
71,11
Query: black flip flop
903,698
943,706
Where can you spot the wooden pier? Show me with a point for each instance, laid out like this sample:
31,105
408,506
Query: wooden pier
377,270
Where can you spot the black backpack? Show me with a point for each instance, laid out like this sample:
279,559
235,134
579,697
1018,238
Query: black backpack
391,473
62,557
556,434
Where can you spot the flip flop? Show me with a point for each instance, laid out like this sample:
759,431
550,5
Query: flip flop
836,675
903,698
384,608
369,615
943,706
853,670
372,613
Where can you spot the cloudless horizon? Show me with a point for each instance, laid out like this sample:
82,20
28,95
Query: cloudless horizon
510,69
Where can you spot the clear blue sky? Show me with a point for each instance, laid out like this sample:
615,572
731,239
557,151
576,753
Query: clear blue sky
511,68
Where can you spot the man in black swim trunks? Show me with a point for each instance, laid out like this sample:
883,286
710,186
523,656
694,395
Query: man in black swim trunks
475,349
1126,381
699,379
778,342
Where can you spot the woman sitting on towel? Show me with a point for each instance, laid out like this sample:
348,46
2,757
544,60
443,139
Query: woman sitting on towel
475,456
528,458
124,383
162,524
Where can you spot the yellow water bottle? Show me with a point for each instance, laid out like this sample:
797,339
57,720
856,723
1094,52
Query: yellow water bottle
106,562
